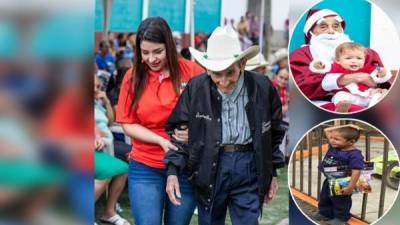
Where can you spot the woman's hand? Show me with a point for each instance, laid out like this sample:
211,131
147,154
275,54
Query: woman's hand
98,143
166,145
101,95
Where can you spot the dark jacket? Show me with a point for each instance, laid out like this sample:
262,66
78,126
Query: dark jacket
199,107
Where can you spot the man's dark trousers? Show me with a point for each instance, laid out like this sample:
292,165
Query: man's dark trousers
236,188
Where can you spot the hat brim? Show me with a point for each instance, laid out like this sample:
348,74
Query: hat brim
222,64
252,67
278,57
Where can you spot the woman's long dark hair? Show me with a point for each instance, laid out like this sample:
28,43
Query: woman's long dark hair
154,29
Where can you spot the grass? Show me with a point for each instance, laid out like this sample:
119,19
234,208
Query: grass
273,213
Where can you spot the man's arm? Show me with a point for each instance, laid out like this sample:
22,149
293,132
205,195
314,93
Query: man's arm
278,129
308,82
363,78
176,161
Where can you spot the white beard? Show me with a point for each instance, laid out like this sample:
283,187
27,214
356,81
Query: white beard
323,46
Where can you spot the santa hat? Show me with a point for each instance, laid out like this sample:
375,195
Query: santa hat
316,16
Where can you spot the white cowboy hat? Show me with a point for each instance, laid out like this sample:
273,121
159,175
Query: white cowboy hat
256,61
278,56
223,49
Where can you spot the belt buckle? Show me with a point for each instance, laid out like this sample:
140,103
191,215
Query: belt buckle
231,148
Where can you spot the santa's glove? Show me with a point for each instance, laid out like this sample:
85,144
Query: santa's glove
320,66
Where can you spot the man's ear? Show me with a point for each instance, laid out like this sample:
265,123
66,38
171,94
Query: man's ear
242,64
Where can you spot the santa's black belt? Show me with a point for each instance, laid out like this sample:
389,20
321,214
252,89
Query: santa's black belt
237,148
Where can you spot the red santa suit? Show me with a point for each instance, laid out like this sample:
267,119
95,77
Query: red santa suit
316,86
358,94
310,83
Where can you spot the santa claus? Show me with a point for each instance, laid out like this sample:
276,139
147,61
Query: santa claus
323,32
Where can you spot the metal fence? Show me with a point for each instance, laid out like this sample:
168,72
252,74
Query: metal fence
312,144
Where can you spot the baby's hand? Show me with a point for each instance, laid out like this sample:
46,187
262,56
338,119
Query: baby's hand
381,72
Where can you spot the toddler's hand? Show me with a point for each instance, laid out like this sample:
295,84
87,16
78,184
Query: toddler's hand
347,190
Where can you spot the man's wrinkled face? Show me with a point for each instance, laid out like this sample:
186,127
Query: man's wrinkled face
328,26
227,79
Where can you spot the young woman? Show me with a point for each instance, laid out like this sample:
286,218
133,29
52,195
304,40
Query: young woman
149,92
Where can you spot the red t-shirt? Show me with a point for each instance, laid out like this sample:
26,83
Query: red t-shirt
153,109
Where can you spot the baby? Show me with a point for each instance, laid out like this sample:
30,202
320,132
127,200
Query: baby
350,58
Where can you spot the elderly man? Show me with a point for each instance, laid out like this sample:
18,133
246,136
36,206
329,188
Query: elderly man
323,31
235,128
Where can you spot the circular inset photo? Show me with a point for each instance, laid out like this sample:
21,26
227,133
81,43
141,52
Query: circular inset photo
343,57
344,172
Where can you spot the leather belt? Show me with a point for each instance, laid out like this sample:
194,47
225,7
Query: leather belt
237,148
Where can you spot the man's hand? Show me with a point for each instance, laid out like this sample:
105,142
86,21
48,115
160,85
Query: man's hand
273,188
172,188
181,134
364,78
166,145
347,190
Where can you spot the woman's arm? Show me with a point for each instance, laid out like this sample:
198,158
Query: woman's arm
107,105
141,133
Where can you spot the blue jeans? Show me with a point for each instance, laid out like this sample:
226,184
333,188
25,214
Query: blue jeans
236,188
149,199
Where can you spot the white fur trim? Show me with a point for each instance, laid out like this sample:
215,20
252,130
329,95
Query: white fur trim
353,88
380,80
341,96
314,18
329,82
375,99
313,69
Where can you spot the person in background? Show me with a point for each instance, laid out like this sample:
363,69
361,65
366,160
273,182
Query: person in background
104,59
280,82
257,64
